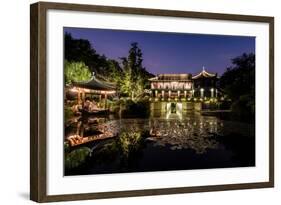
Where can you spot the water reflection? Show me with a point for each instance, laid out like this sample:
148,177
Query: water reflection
117,145
91,129
187,134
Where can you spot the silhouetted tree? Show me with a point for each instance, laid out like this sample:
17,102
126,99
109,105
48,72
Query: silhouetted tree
238,83
81,50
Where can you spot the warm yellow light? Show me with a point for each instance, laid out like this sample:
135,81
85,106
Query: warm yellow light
86,90
106,92
74,89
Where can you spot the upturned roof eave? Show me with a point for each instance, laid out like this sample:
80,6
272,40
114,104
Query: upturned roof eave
95,84
204,74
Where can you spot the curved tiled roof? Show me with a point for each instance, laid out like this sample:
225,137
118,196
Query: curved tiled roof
204,74
171,77
96,84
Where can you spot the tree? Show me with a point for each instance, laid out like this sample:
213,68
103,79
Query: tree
239,79
82,50
130,76
76,72
79,50
238,83
135,75
116,73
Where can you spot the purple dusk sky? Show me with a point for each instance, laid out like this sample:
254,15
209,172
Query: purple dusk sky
169,52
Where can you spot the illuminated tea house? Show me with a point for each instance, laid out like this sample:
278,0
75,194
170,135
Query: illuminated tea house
184,86
171,86
178,93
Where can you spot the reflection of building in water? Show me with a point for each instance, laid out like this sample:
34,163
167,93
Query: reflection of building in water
197,134
91,130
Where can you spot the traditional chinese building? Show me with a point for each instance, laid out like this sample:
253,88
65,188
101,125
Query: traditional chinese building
93,87
171,86
205,85
184,86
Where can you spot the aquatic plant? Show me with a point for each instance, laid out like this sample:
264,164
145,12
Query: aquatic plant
76,157
129,141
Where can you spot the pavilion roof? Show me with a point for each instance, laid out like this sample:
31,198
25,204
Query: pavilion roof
171,77
96,84
204,74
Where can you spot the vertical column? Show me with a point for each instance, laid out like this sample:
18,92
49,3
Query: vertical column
202,92
105,100
83,96
78,97
212,92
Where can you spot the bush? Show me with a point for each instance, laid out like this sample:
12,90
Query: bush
136,109
77,157
129,142
68,113
244,108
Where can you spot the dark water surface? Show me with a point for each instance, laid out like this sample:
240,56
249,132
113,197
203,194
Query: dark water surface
191,141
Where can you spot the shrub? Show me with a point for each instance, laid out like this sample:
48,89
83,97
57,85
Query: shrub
244,108
77,157
68,113
136,109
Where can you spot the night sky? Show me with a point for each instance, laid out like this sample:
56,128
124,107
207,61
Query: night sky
169,52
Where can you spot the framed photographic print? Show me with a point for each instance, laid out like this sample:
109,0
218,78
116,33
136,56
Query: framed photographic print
134,102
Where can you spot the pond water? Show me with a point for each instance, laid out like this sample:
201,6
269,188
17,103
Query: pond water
191,141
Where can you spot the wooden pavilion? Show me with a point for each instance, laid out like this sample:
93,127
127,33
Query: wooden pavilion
93,87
